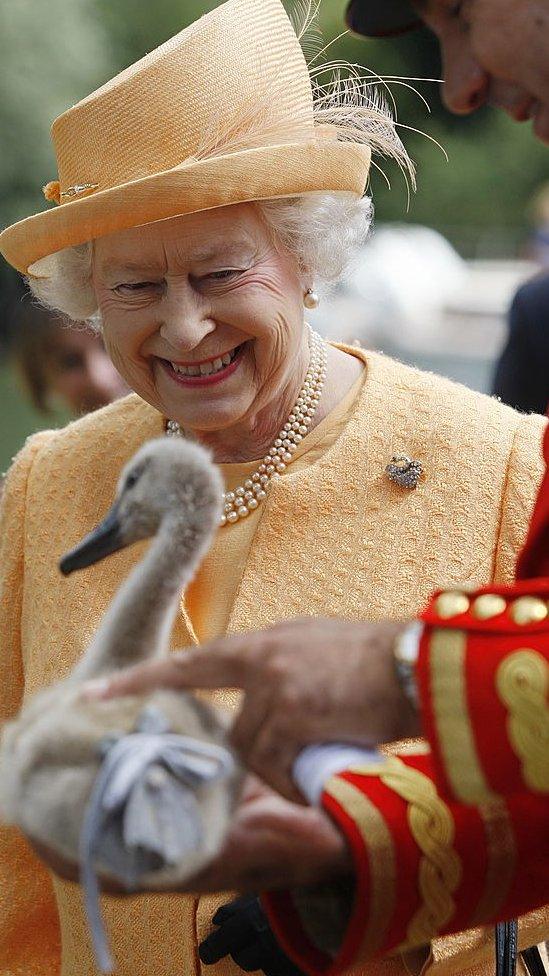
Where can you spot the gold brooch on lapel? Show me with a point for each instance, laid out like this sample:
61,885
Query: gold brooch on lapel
404,471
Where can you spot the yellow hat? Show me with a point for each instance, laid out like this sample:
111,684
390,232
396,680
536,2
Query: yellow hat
220,114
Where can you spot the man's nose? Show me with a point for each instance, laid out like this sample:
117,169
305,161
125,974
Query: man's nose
186,318
466,84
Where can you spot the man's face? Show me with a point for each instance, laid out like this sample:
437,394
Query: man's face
494,52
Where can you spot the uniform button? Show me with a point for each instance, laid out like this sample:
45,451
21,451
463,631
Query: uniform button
528,610
488,605
451,604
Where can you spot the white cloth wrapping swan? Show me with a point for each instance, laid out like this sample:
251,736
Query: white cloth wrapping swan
143,813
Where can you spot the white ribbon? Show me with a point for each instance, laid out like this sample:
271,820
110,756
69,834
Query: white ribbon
142,814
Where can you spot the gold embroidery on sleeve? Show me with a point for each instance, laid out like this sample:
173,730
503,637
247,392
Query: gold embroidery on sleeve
522,681
455,734
378,842
432,827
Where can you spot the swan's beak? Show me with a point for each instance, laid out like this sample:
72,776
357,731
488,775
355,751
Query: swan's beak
104,540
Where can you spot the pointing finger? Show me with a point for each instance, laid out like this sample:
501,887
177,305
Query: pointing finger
190,669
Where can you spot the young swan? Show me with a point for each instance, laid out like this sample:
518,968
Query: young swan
51,754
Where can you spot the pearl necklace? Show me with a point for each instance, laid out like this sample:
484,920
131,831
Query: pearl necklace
238,504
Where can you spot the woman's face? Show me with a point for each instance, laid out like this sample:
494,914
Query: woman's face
79,371
202,315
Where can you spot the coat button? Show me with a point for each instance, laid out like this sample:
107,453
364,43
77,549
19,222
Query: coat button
528,610
488,605
451,604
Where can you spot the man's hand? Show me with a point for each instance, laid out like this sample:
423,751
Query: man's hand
271,843
307,680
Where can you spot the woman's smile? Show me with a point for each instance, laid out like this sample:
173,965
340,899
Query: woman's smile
206,372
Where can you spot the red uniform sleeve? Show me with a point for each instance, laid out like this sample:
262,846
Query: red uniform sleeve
483,676
424,867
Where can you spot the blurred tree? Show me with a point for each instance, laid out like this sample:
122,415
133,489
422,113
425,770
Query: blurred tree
51,54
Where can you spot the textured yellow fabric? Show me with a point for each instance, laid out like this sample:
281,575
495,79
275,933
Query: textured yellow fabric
208,601
357,546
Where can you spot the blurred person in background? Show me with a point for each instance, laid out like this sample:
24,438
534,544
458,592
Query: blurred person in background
482,61
521,376
59,365
62,364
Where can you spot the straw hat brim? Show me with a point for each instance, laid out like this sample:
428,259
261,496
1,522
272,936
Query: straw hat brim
253,174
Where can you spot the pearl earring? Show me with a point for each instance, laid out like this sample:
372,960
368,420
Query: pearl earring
311,299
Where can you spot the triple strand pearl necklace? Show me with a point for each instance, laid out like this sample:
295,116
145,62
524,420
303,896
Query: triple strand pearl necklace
238,504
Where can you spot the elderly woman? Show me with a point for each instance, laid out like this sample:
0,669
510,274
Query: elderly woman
202,194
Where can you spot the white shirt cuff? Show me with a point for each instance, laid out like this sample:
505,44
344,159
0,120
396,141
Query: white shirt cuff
316,764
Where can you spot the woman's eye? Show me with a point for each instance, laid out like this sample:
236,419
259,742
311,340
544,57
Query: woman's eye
223,275
133,287
69,362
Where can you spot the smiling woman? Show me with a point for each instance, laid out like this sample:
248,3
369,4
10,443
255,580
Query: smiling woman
202,195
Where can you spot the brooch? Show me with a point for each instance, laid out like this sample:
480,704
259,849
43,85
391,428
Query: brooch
404,471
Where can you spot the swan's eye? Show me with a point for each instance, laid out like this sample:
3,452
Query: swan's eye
134,475
132,479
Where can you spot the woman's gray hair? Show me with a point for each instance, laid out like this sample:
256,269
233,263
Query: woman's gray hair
322,230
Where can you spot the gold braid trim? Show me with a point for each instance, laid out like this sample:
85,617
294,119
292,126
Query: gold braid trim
432,827
379,845
447,656
522,681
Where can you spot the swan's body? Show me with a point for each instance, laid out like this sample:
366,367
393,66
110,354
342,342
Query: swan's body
50,755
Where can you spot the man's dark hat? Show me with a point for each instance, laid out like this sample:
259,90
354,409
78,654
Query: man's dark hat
381,18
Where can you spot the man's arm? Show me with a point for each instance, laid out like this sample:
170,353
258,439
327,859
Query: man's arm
424,868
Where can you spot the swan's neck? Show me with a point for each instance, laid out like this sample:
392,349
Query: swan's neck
138,622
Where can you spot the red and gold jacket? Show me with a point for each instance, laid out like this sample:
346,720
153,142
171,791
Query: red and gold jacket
452,833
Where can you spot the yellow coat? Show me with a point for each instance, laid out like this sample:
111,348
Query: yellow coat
336,538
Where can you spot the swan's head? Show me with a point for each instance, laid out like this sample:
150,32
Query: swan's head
170,484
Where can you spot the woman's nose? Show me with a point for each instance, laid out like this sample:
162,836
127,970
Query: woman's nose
466,84
186,318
